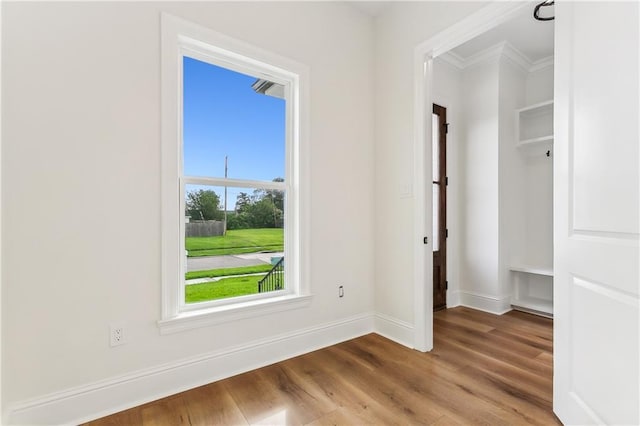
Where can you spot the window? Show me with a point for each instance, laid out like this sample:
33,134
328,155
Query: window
233,179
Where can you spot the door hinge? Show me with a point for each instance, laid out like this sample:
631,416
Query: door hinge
446,285
446,128
425,240
446,233
446,180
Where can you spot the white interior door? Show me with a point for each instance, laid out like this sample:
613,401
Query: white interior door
596,218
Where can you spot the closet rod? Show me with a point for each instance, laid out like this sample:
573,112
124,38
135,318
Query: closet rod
536,11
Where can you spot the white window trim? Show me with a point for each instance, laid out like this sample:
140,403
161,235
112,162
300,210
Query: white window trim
180,37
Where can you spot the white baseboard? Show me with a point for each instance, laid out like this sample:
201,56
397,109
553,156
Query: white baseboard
394,329
100,399
482,302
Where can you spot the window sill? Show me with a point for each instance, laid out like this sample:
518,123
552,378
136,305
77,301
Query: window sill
212,316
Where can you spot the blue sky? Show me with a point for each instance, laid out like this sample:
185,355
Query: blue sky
224,116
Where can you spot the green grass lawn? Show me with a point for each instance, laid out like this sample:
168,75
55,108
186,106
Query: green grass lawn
223,272
237,241
226,287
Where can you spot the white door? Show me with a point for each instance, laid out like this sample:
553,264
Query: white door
596,219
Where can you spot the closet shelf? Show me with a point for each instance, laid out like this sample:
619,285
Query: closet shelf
532,270
532,283
534,128
535,141
535,109
534,306
536,146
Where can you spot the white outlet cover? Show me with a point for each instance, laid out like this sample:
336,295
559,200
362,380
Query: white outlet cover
117,334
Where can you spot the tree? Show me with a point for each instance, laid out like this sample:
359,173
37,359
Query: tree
238,221
277,196
242,202
264,214
204,204
262,209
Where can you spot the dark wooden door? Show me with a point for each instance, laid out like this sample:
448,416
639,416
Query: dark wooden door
439,207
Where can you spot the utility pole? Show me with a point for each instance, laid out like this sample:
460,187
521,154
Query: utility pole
224,232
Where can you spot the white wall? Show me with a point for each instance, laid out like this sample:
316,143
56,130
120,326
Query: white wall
513,190
400,28
539,85
539,184
81,194
479,235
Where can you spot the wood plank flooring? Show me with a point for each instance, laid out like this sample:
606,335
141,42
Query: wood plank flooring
484,369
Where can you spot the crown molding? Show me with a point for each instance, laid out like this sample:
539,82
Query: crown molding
489,55
495,53
542,64
453,59
519,59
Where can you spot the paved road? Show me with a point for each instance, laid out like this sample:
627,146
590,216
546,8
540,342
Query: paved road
229,261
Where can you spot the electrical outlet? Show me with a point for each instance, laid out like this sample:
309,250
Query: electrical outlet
341,291
117,334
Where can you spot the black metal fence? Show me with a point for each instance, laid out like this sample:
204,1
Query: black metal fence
274,280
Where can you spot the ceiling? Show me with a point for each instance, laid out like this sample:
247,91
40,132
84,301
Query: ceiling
532,38
371,8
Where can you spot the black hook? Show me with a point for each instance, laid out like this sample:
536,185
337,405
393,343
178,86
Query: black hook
548,153
536,11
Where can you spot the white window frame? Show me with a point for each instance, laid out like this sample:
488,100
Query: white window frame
181,38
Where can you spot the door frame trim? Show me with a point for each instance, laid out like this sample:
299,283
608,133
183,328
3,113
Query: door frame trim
481,21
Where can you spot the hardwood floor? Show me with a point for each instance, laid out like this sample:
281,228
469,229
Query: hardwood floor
485,369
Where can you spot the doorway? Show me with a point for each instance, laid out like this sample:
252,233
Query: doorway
498,153
439,158
445,67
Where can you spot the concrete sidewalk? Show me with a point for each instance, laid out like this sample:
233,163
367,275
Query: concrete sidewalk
213,279
230,261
